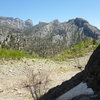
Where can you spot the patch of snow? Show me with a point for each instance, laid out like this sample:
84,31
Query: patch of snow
80,89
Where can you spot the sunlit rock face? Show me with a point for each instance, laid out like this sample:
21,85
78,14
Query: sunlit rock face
15,22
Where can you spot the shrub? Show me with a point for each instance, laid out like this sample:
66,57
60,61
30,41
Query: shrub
76,51
6,53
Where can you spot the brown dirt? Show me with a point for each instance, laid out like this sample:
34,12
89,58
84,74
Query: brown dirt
13,75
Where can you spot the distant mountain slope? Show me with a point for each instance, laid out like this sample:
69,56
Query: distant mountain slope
46,39
74,30
15,22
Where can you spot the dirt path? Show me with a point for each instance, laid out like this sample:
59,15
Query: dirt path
13,75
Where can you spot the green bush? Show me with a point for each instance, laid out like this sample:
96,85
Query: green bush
77,50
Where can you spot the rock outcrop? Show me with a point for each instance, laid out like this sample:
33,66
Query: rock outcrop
90,75
73,31
15,22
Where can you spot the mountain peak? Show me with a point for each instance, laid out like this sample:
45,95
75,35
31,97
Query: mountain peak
42,22
29,23
80,22
55,21
15,22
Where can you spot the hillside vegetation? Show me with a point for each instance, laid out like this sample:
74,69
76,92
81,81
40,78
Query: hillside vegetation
77,50
6,53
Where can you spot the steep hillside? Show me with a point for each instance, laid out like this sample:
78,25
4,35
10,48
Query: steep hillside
73,31
51,38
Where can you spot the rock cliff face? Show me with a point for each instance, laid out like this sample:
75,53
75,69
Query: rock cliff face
71,32
15,22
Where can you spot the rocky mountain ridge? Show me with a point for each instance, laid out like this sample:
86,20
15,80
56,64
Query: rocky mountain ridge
76,27
15,22
45,39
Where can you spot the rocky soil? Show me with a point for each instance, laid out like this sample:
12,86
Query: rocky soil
14,75
90,76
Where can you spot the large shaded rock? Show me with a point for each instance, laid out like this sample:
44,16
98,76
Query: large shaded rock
90,75
92,70
82,97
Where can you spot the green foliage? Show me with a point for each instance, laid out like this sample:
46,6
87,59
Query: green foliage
77,50
6,53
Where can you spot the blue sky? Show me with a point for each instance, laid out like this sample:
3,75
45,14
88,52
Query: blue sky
48,10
